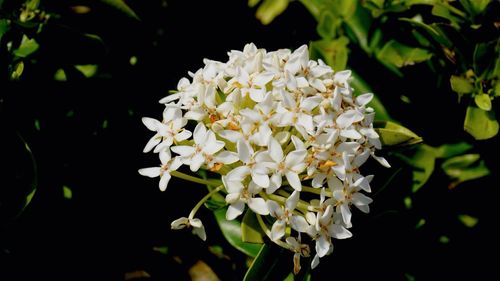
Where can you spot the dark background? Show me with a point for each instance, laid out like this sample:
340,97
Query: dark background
90,138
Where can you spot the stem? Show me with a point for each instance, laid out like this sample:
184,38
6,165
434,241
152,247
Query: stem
203,200
187,177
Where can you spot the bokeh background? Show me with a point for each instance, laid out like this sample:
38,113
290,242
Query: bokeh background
94,218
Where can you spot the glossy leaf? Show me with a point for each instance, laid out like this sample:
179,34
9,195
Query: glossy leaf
480,124
269,264
461,85
270,9
232,232
402,55
483,101
392,134
121,6
333,52
251,231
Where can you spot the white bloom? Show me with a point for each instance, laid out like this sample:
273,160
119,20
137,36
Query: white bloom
289,166
167,165
197,225
240,195
284,216
299,250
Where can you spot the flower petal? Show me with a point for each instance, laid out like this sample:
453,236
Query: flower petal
349,117
339,232
165,178
292,200
152,172
234,210
294,180
258,205
278,230
200,134
275,150
299,223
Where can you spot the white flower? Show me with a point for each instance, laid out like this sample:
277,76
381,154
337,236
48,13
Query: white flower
239,195
299,250
197,225
284,216
289,166
167,165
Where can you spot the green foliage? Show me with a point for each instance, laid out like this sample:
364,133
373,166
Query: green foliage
392,134
401,55
269,264
251,232
269,9
121,6
333,52
480,124
465,168
232,232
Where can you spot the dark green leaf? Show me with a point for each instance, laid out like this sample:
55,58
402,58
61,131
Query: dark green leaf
4,27
393,134
475,7
270,9
480,124
461,85
251,231
465,168
422,159
483,101
269,264
483,58
333,52
121,6
443,12
232,232
401,55
432,30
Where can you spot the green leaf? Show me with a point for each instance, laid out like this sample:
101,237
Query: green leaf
67,192
483,61
461,85
269,264
27,47
87,70
480,124
4,27
251,231
253,3
121,6
443,12
422,159
450,150
360,86
270,9
333,52
328,25
483,101
465,168
468,221
232,232
475,7
392,134
432,30
402,55
344,8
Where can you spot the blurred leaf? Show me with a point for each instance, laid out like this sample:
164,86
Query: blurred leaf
88,70
270,9
422,159
480,124
201,271
232,232
444,239
432,30
253,3
4,27
269,265
401,55
333,52
393,134
450,150
138,274
121,6
162,250
361,87
464,168
27,47
468,221
475,7
60,75
67,193
18,174
251,231
483,101
483,61
443,12
328,25
461,85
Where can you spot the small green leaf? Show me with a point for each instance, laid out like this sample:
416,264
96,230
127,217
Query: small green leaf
27,47
408,202
402,55
37,124
477,6
480,124
4,27
87,70
121,6
453,165
343,8
483,101
67,192
420,223
253,3
443,12
232,232
392,134
432,30
161,250
444,239
468,221
18,70
270,9
333,52
461,85
269,264
465,168
60,75
251,231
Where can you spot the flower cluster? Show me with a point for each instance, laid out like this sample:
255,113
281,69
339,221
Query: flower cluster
286,134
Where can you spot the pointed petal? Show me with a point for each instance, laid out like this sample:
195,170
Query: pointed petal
183,150
294,180
278,230
200,134
364,99
260,179
274,209
165,178
150,123
292,201
346,213
234,210
349,117
322,245
258,205
152,172
226,157
165,156
275,150
244,151
196,161
339,232
154,141
299,223
381,160
179,223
